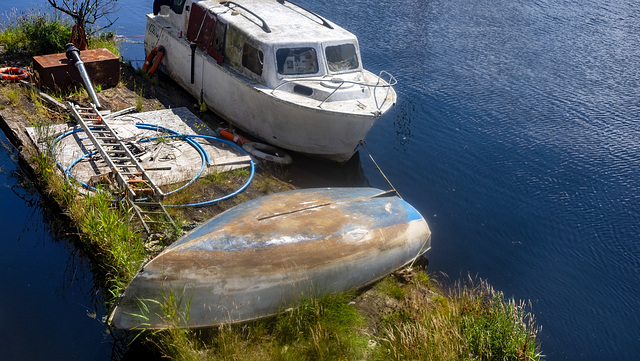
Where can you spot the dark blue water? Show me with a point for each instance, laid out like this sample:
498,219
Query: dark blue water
49,308
516,135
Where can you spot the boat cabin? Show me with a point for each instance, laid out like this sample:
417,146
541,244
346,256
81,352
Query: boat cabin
269,42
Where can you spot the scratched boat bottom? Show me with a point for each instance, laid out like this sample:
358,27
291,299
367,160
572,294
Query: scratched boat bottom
166,158
263,255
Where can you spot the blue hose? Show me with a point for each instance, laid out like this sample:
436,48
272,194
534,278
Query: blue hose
188,138
199,149
159,128
244,186
67,172
199,146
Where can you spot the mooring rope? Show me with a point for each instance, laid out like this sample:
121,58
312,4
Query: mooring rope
420,252
380,170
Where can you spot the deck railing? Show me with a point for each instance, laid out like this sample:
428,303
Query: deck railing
381,82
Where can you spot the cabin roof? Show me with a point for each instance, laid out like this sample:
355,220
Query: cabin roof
275,22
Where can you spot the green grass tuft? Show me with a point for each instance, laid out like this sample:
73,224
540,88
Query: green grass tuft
36,33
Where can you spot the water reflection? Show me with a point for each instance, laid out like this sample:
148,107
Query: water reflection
309,172
50,309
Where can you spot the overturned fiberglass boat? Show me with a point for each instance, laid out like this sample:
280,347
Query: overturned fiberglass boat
273,69
263,255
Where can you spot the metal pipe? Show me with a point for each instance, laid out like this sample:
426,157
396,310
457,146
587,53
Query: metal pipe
193,60
74,54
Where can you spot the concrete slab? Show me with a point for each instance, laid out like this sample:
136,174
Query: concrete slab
167,160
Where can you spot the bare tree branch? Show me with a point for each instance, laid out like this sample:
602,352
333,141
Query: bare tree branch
85,12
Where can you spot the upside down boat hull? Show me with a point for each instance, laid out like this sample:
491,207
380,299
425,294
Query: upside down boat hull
263,255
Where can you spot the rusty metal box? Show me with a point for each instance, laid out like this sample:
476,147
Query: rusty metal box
55,71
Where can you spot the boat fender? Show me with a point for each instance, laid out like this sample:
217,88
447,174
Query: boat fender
154,58
267,152
13,73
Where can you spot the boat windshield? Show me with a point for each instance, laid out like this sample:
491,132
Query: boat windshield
341,57
297,61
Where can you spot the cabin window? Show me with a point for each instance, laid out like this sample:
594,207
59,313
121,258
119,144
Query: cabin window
216,48
252,59
297,61
177,6
341,57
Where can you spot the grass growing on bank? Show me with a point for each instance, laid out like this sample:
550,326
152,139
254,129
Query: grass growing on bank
316,329
105,40
35,33
105,226
469,322
472,322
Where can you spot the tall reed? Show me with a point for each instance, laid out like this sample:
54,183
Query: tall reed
473,323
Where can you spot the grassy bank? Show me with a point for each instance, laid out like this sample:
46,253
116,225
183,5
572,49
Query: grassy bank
397,319
407,315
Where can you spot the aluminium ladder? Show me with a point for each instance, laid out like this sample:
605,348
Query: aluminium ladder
140,191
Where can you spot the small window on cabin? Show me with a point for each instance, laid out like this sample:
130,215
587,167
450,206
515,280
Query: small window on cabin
252,59
177,6
297,61
342,57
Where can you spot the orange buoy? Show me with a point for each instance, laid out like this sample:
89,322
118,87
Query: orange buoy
154,58
13,73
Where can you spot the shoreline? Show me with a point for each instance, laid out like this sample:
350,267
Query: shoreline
406,295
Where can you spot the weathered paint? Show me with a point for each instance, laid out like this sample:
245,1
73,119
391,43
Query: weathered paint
329,122
255,258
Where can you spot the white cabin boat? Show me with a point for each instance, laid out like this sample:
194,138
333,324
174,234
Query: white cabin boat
277,71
